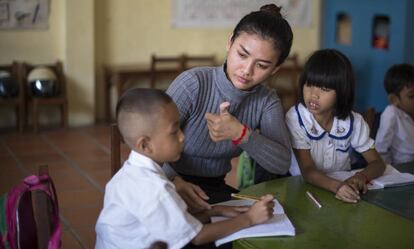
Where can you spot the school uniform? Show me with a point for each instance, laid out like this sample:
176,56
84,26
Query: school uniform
330,151
141,206
395,136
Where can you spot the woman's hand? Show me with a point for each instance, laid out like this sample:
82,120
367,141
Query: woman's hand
347,193
223,126
192,194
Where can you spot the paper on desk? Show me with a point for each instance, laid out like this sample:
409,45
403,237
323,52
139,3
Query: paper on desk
390,178
276,226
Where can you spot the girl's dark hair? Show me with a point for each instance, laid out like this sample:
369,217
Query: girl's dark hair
269,24
329,68
398,77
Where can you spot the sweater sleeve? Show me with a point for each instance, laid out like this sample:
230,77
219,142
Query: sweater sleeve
270,147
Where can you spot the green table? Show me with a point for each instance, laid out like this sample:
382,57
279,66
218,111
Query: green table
335,225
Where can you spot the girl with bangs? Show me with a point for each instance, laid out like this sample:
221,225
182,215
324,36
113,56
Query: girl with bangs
324,129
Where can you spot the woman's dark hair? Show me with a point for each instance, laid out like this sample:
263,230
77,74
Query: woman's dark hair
329,68
398,77
269,24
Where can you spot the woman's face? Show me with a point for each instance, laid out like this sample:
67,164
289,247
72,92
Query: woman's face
250,60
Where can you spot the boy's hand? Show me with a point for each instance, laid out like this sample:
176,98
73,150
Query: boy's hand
262,210
347,193
358,182
192,194
223,126
229,211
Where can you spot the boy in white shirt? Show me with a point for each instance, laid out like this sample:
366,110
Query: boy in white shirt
141,205
395,136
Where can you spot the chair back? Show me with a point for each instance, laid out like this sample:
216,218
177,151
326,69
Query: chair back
286,81
15,71
191,61
115,149
372,118
165,66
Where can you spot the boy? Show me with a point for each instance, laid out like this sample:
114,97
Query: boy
395,136
141,205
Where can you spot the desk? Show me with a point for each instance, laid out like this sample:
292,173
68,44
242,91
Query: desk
335,225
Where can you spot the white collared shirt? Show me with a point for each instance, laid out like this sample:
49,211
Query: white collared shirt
395,136
329,150
142,206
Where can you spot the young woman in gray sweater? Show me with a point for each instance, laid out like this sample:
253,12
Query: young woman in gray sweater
221,109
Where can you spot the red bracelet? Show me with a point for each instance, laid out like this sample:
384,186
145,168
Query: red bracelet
238,140
367,180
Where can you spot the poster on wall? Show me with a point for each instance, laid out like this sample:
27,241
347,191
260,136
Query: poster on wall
24,14
226,13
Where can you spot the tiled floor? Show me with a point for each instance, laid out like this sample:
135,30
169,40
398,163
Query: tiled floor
79,164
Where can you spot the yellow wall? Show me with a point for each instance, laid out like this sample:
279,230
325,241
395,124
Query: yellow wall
86,35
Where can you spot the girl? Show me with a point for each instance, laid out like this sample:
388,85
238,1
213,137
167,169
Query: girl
324,129
220,107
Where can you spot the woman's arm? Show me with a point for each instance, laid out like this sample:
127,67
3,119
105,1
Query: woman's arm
270,147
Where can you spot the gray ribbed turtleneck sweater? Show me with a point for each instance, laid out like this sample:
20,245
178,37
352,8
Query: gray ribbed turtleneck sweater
202,90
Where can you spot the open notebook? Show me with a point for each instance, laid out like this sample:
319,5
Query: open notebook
277,226
390,178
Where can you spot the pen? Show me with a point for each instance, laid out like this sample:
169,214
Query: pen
313,199
245,197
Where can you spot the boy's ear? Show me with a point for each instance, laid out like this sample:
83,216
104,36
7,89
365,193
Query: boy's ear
393,99
143,145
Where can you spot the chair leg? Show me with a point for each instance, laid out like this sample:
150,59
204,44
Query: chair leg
64,113
35,113
20,117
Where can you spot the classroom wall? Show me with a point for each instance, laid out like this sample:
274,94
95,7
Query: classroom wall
86,35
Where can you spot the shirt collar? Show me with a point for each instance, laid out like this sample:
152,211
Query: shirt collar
341,129
145,162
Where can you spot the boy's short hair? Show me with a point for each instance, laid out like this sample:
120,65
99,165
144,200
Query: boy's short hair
329,68
397,77
139,105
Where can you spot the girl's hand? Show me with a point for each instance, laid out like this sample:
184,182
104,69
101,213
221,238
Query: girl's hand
347,193
223,126
358,182
229,211
262,210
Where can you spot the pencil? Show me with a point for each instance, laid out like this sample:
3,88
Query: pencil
245,197
313,199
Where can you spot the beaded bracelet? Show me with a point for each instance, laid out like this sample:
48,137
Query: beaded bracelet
238,140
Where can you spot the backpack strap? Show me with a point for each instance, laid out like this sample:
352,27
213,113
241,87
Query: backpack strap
34,183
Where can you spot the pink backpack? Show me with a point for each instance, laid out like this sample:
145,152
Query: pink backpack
20,219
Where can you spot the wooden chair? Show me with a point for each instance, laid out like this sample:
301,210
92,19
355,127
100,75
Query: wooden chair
18,102
285,81
60,100
163,66
115,149
372,118
200,60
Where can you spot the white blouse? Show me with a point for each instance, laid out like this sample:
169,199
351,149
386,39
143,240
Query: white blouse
330,151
